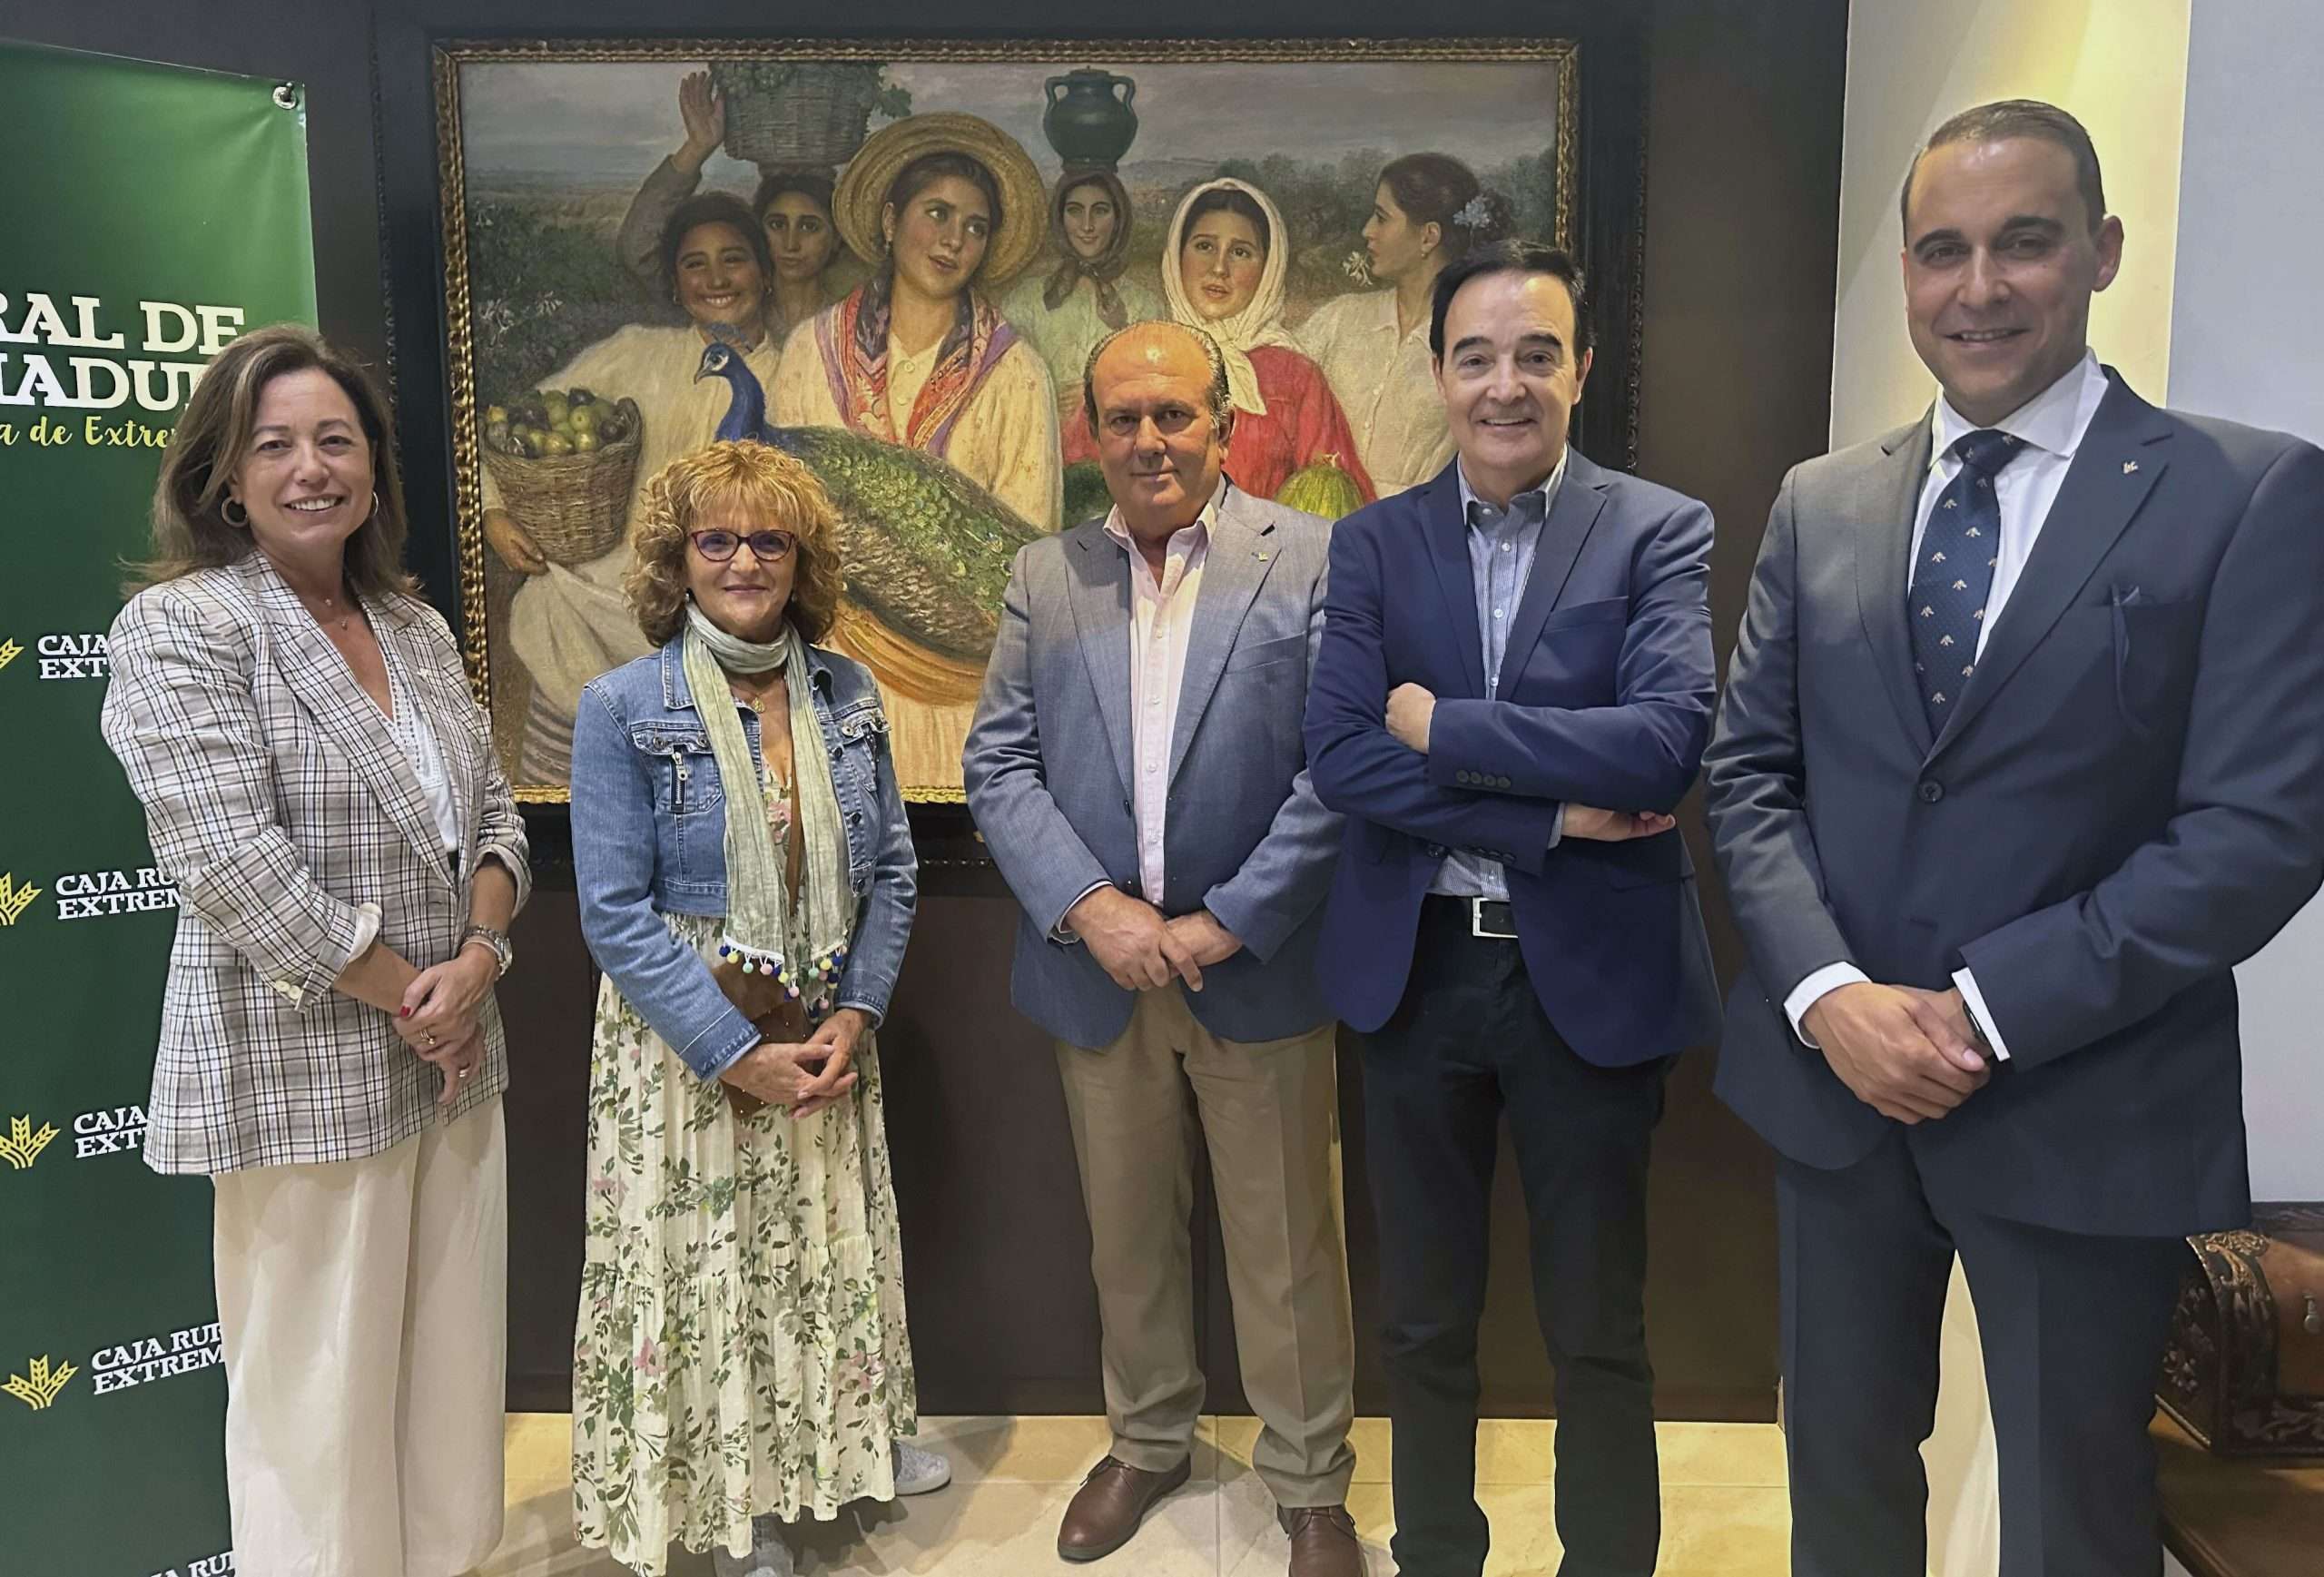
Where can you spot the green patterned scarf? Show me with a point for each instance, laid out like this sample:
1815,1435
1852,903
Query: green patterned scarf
803,944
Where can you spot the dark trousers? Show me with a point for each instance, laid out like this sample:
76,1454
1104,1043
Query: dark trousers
2073,1328
1469,1042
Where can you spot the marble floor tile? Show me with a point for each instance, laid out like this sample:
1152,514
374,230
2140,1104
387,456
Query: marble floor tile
1724,1507
999,1529
1722,1455
1712,1530
1029,1450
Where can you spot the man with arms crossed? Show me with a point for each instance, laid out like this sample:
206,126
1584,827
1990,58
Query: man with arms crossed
1137,772
1506,647
2022,752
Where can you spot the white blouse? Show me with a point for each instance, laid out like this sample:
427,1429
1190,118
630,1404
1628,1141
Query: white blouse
1386,383
423,750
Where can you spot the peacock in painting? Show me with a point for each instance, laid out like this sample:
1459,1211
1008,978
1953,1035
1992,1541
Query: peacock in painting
925,549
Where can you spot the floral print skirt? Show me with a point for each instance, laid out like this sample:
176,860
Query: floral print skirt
740,1347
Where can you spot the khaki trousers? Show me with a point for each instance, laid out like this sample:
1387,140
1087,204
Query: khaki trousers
1269,1112
363,1307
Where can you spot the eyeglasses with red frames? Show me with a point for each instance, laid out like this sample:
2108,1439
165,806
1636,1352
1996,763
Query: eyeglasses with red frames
766,547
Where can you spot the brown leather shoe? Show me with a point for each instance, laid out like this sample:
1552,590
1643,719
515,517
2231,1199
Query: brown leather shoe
1322,1540
1109,1504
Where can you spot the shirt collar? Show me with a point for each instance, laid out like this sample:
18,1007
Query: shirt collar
1548,489
2053,420
1200,526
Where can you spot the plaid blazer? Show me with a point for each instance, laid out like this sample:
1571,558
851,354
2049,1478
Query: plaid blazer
278,801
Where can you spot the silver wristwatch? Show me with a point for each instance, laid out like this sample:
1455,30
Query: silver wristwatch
498,940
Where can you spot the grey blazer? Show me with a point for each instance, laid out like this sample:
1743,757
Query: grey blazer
1048,767
2127,801
278,801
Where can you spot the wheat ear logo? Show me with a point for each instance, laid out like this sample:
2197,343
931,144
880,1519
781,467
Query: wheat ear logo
39,1388
14,900
9,653
22,1146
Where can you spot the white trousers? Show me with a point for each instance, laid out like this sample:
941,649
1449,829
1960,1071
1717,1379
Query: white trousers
364,1306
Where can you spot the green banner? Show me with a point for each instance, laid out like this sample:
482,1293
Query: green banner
151,214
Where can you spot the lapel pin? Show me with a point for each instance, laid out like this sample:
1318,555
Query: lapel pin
1260,556
2129,467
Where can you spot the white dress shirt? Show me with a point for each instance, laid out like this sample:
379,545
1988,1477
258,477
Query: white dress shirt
1161,617
2052,424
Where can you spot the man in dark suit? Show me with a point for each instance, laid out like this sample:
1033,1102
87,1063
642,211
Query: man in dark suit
1506,649
2023,750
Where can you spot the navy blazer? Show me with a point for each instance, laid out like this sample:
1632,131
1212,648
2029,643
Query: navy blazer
1606,693
2127,801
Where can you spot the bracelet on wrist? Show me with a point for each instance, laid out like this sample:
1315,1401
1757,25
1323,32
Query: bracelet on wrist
503,953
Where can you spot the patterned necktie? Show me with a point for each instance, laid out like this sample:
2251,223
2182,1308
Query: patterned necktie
1956,572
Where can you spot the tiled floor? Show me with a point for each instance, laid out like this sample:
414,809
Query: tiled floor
1723,1506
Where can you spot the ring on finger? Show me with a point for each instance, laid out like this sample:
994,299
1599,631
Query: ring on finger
432,1042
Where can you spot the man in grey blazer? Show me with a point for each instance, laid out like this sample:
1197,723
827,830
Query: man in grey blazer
2022,752
1136,770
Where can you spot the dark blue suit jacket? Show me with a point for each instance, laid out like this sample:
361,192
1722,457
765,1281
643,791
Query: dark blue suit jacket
2127,799
1606,693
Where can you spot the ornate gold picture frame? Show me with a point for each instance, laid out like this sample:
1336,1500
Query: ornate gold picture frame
563,166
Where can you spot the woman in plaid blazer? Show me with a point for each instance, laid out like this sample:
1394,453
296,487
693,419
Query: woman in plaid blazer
322,789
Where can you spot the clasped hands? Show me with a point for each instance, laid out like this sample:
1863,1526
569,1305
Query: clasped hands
1411,709
437,1016
1139,948
1907,1053
807,1075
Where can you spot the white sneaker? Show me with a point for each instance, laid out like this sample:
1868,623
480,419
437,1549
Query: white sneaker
918,1471
769,1556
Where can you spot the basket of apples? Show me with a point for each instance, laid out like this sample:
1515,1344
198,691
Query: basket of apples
564,461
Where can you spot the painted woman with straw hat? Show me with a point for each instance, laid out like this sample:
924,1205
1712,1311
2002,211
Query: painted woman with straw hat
950,209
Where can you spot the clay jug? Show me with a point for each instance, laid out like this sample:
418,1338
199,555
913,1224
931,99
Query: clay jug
1086,122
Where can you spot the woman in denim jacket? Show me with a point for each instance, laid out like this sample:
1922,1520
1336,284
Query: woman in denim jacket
740,1358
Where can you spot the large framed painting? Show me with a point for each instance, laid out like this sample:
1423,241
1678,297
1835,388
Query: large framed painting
892,259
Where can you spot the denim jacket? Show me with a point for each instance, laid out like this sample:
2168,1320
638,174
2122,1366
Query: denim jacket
649,838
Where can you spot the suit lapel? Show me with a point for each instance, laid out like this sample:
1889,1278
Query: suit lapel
2109,480
1097,578
319,675
1233,569
1445,530
1581,498
1881,521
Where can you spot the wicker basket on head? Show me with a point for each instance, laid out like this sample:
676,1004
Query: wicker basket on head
575,506
817,117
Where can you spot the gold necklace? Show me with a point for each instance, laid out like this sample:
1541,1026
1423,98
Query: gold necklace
787,779
756,702
343,621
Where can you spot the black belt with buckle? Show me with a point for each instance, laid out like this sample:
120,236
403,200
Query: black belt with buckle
1490,918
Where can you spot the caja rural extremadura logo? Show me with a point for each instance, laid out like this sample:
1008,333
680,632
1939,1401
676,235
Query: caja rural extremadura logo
14,900
24,1143
39,1387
